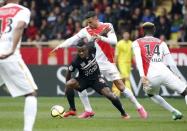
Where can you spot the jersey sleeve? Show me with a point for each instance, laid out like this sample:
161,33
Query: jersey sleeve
74,39
24,15
111,36
165,48
72,67
138,58
170,62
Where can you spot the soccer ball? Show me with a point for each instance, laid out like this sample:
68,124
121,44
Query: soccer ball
57,111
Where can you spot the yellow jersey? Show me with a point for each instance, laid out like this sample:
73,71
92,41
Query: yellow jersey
123,52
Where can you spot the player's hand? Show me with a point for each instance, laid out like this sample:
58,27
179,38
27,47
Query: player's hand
105,31
145,81
6,55
146,85
96,37
56,48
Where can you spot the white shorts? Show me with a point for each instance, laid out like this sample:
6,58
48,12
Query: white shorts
167,79
17,78
110,72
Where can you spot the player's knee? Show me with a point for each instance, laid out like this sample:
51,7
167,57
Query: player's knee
184,93
34,93
72,83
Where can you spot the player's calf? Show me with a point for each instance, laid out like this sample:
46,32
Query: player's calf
114,99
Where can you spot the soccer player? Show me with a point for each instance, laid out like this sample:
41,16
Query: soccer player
104,36
123,58
150,53
89,75
13,71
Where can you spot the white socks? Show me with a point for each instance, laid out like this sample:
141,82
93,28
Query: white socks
85,101
132,98
159,100
30,111
186,99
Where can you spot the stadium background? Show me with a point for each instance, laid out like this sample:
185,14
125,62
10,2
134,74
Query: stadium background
53,21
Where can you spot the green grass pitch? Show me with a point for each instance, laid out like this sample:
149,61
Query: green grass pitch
107,118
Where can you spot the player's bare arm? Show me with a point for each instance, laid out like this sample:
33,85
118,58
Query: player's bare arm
70,41
71,82
16,38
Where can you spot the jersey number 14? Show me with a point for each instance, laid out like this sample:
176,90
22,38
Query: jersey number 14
155,50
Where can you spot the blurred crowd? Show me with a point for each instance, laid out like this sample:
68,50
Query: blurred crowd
60,19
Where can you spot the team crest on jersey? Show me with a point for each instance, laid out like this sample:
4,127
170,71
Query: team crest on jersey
83,64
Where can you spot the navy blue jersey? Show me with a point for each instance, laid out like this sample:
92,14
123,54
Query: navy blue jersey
87,67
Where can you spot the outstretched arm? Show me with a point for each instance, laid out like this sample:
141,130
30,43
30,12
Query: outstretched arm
139,64
72,40
173,67
138,59
171,63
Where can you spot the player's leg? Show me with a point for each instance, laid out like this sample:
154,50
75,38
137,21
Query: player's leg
125,70
112,74
153,90
88,112
80,85
85,101
71,101
161,101
30,110
70,95
176,84
19,82
115,90
140,109
115,101
101,87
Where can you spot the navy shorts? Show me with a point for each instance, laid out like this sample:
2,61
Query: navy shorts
97,84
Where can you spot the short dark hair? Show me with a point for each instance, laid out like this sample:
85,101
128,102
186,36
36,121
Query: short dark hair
90,14
81,43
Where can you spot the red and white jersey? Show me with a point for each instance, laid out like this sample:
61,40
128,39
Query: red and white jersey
104,52
149,53
10,15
